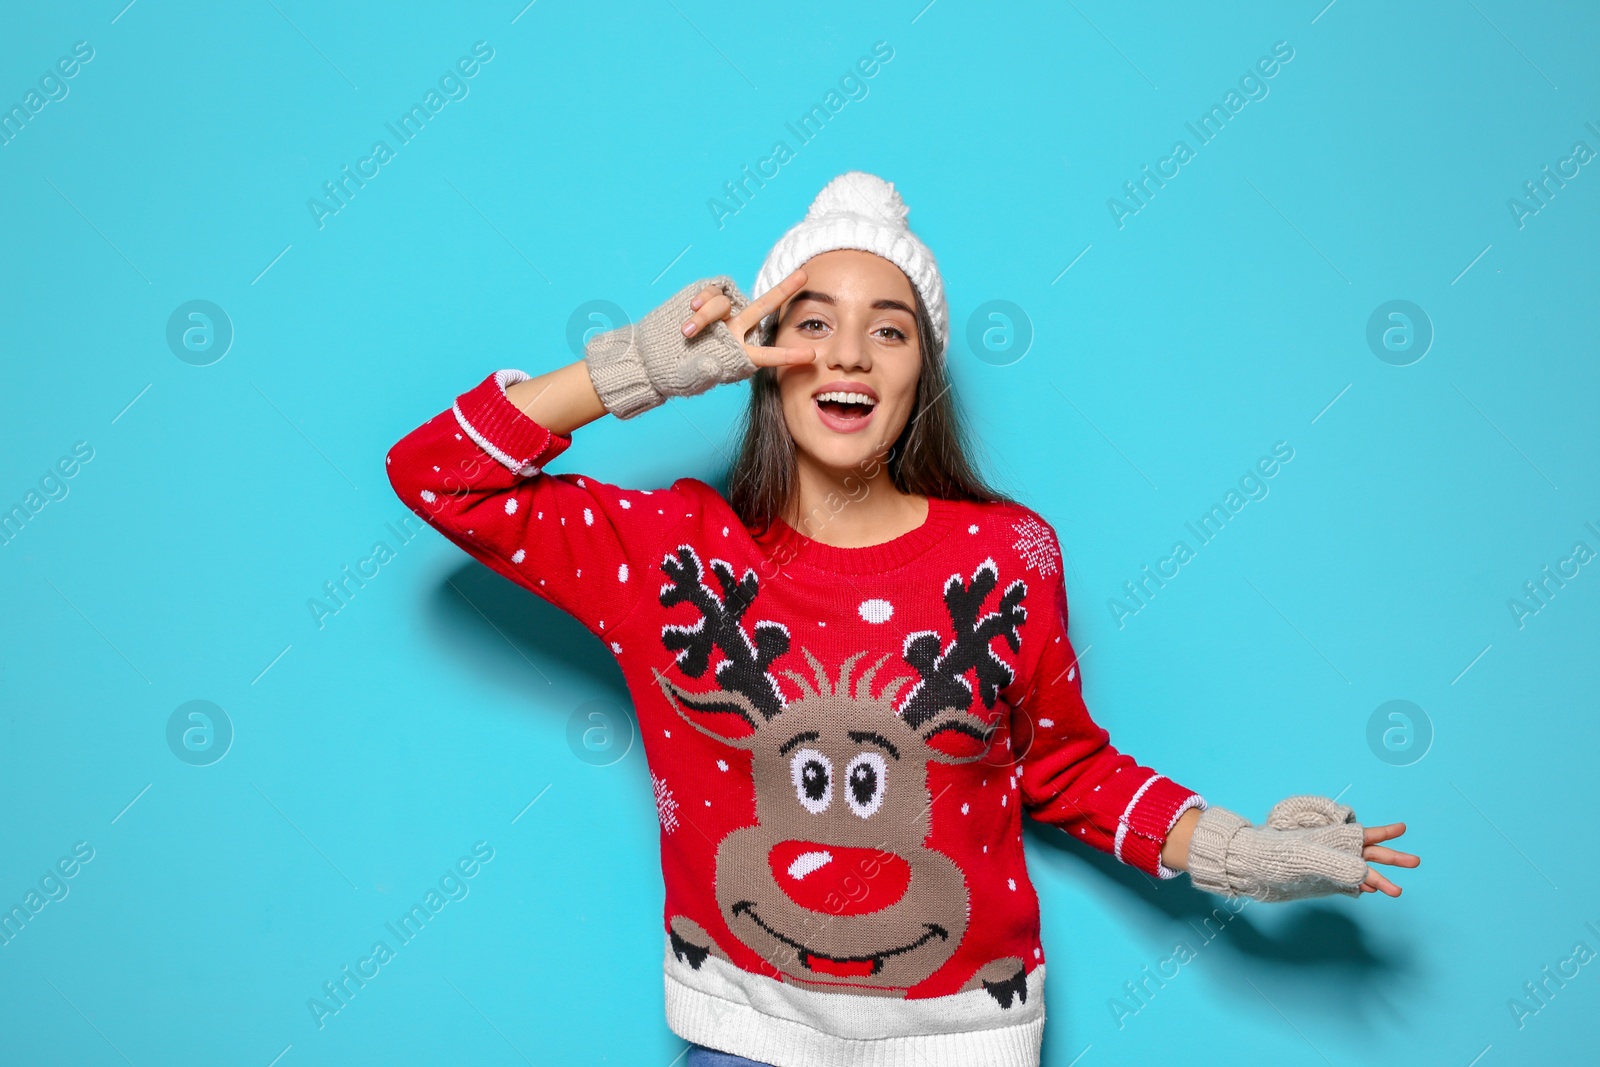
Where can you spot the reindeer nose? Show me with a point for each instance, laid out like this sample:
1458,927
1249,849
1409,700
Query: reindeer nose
838,880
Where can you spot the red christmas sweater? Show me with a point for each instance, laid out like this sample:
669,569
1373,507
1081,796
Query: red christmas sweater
842,742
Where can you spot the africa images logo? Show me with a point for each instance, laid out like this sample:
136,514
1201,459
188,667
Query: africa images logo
452,85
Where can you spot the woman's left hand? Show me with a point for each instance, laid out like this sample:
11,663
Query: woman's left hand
1376,853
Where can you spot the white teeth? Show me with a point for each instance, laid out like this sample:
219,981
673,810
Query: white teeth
848,398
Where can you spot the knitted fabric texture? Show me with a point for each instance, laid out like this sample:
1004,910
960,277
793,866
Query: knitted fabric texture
861,211
841,743
1310,846
637,366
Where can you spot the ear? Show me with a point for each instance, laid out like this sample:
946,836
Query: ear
957,737
728,717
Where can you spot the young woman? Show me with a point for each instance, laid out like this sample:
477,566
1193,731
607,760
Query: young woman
851,675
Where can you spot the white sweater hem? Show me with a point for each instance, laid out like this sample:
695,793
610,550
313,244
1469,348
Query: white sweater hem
716,1005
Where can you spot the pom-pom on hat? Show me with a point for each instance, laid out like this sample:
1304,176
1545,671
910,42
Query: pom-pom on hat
861,211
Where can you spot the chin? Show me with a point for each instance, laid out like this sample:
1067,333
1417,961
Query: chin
839,452
843,455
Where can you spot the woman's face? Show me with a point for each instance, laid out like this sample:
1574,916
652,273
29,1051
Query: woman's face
858,311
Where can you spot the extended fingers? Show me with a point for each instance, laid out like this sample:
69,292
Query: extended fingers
1393,857
779,357
1373,834
769,301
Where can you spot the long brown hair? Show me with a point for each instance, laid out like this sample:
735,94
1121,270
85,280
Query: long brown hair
930,458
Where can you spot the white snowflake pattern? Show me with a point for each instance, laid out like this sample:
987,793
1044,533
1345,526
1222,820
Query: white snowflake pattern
876,610
519,555
622,572
666,806
511,505
1037,546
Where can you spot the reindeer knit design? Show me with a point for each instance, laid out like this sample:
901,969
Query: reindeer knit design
841,743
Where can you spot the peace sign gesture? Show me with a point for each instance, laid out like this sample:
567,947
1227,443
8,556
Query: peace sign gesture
637,366
712,304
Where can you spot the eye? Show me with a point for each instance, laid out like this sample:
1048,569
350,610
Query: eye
813,779
806,324
865,782
894,331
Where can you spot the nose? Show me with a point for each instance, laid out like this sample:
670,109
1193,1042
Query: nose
838,879
845,350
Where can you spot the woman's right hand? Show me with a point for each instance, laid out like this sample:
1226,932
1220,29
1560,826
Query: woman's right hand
637,366
711,304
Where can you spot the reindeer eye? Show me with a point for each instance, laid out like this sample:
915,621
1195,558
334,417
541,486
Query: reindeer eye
866,779
813,779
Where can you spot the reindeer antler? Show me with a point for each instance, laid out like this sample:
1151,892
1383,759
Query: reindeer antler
744,671
943,683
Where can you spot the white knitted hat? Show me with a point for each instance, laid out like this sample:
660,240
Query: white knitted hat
862,211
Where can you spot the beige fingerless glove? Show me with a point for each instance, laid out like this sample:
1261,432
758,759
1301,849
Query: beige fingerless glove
1310,846
636,367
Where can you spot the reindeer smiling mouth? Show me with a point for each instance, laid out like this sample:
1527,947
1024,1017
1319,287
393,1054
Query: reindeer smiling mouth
840,966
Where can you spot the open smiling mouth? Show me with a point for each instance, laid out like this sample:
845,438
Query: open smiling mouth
844,412
840,966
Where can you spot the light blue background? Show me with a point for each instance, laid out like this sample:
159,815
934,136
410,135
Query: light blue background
1225,316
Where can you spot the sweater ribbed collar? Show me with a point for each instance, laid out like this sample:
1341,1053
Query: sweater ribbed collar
787,545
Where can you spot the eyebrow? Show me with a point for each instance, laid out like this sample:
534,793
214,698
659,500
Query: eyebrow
875,738
854,735
826,298
803,735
